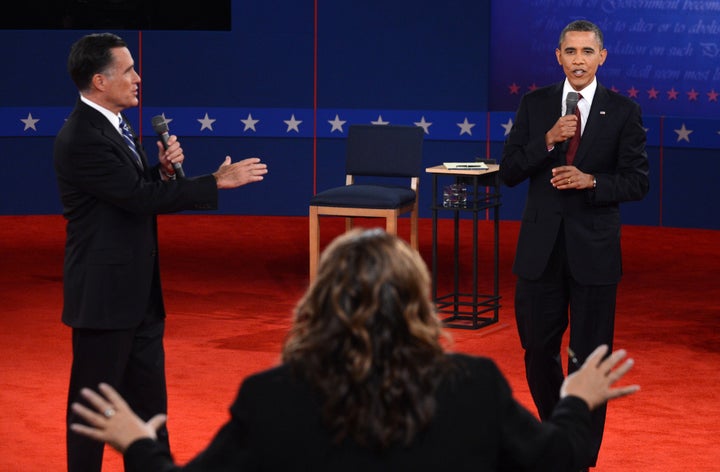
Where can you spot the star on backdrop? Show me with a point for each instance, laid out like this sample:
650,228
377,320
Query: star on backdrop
292,124
249,123
683,133
424,125
507,126
380,121
337,124
206,122
29,122
465,127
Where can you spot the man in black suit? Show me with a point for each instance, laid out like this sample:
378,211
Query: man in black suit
568,252
111,196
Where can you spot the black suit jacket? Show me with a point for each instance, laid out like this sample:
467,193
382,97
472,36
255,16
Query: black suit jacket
111,274
612,149
275,425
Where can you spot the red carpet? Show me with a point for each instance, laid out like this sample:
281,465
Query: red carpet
230,284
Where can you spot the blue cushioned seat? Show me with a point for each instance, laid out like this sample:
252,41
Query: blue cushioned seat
365,196
381,154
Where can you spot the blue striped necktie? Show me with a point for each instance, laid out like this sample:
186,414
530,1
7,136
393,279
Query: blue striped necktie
128,137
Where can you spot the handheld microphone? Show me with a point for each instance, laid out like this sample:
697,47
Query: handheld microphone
571,102
161,128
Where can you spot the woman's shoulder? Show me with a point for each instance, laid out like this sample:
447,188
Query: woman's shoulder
467,369
471,361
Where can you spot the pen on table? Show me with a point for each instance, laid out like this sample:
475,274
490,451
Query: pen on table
573,358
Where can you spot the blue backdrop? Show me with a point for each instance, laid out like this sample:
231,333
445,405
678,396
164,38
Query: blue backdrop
289,78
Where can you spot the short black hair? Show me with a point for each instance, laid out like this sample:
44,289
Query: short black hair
90,55
582,25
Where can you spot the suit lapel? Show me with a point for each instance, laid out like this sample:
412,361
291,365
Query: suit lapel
115,137
106,129
594,123
554,101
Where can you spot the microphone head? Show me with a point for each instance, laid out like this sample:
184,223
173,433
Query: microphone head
570,103
161,127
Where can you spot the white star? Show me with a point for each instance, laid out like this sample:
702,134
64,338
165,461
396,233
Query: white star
465,127
249,123
683,133
424,125
29,122
206,122
380,121
507,126
167,120
292,124
337,124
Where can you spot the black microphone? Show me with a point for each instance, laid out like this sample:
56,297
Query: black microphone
570,104
161,128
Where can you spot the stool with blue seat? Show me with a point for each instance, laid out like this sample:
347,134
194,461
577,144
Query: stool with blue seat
384,156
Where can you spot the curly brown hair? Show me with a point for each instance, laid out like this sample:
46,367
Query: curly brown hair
367,336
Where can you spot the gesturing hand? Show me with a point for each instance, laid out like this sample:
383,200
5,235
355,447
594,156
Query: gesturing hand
231,175
593,381
112,420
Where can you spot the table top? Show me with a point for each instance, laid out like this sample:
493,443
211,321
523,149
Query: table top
441,169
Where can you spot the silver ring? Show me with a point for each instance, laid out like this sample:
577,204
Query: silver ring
109,413
569,181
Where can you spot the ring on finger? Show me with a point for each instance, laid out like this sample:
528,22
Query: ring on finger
109,413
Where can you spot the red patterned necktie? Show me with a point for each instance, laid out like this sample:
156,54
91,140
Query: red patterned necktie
575,140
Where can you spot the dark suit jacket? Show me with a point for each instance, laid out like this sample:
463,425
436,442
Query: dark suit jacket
612,149
111,275
275,425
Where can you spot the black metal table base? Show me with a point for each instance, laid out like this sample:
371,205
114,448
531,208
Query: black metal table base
460,308
460,311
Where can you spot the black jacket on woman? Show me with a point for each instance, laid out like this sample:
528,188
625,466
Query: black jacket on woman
275,425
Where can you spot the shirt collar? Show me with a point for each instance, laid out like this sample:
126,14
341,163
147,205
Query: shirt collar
588,93
112,117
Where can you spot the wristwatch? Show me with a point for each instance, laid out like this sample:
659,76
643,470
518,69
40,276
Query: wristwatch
594,182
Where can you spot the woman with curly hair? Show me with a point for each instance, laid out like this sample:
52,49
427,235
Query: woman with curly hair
365,384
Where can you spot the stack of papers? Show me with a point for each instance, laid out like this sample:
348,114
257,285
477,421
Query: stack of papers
465,165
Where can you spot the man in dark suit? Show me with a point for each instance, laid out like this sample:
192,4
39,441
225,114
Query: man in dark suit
111,196
568,251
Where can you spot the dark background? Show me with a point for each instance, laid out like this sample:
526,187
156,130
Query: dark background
405,61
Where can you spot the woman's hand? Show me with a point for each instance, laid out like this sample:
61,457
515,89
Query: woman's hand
112,421
594,380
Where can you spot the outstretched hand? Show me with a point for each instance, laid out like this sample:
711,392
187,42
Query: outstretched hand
231,175
112,420
594,380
